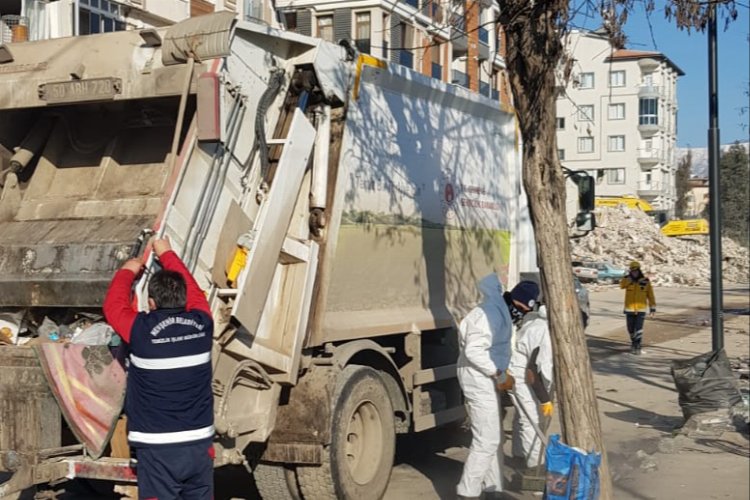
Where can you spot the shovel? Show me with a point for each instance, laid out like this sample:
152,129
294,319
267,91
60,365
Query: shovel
537,482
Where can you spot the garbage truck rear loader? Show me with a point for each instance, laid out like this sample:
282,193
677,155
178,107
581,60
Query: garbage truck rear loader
337,210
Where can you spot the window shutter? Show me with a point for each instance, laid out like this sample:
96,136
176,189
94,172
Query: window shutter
342,24
397,38
304,22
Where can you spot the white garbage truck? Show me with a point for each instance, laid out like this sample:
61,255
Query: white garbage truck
338,211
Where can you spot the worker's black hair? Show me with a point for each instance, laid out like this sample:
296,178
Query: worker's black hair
167,289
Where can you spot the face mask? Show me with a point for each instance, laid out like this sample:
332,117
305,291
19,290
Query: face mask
516,314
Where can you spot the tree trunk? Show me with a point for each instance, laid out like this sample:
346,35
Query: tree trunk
534,51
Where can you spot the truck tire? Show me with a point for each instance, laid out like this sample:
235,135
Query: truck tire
357,464
276,482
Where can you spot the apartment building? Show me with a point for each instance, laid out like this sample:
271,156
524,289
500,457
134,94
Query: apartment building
454,41
617,119
41,19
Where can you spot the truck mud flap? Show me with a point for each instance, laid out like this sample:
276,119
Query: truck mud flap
303,420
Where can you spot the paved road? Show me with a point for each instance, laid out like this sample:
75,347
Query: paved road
430,469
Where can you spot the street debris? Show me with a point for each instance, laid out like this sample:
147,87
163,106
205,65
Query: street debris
20,327
648,463
624,234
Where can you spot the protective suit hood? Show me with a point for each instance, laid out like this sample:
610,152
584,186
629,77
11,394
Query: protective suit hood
491,290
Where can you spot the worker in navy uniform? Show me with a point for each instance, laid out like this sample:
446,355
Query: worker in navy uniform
169,401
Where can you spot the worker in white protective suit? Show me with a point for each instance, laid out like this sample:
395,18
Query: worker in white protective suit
531,367
485,344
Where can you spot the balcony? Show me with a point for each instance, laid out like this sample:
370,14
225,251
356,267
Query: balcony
648,64
648,90
648,125
460,78
650,190
650,157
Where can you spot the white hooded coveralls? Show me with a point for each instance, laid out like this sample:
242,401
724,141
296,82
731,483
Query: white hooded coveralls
484,339
533,333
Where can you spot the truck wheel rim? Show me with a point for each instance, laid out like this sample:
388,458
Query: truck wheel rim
364,442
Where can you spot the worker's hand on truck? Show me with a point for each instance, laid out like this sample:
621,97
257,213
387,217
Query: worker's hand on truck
160,246
133,265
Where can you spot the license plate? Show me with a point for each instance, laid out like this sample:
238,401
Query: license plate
94,89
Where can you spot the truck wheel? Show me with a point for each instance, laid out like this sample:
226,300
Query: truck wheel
276,482
357,464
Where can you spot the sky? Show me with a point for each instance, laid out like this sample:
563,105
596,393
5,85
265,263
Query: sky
690,53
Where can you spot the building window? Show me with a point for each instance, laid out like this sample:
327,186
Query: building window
253,9
560,123
585,144
615,176
362,34
561,154
437,68
616,111
586,81
100,16
290,21
617,78
648,111
616,143
586,113
325,28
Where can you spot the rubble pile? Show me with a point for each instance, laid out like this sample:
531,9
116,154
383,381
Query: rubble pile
623,234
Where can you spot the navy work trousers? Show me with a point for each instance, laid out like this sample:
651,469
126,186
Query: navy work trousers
635,326
174,472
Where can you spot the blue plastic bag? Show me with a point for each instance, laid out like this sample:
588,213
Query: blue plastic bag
571,473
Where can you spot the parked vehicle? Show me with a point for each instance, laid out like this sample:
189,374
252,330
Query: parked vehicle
606,271
337,209
581,294
585,272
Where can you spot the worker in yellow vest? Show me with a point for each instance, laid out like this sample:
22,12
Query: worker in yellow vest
639,299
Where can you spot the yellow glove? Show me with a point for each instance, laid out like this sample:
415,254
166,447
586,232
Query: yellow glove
546,409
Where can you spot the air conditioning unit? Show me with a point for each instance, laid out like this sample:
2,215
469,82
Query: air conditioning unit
230,5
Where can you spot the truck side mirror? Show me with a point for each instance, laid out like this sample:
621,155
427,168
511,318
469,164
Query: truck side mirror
586,192
585,221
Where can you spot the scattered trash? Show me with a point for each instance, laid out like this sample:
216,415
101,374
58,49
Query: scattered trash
48,330
10,325
705,383
96,334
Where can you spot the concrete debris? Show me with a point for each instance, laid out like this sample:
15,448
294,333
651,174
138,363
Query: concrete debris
648,464
672,444
709,424
624,234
